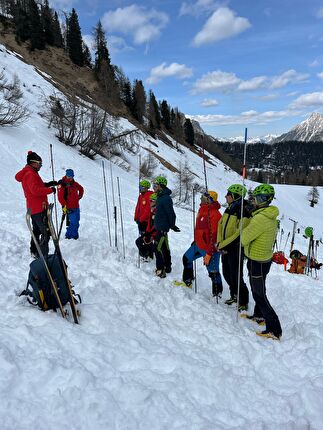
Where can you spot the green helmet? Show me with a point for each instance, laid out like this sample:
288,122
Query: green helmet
144,183
265,189
238,189
153,196
161,180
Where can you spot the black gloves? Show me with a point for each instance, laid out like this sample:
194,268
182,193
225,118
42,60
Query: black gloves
176,229
61,182
54,190
51,184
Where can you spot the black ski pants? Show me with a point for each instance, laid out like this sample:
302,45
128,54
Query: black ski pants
41,232
162,252
230,269
258,272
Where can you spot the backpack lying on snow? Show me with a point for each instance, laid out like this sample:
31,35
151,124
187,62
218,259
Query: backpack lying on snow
299,262
39,289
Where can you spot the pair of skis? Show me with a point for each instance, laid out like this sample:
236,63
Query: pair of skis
61,262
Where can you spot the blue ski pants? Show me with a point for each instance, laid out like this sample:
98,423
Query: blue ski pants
74,223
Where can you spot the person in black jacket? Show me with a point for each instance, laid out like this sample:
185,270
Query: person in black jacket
165,219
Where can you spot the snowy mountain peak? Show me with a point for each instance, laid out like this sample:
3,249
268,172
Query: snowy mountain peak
310,130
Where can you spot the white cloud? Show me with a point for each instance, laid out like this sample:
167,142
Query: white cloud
216,81
244,118
209,102
180,71
266,97
227,81
199,7
320,75
62,4
142,24
288,77
319,13
222,24
253,83
308,100
314,63
118,44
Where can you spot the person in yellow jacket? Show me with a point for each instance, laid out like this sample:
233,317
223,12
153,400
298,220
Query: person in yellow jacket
229,243
258,239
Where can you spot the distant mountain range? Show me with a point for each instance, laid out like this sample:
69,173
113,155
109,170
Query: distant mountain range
310,130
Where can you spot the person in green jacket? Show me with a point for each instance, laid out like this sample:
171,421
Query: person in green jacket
258,239
228,239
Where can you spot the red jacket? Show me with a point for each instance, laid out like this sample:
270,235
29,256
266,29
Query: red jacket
206,227
69,193
34,189
142,211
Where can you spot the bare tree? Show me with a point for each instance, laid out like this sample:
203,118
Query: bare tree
148,166
185,183
12,109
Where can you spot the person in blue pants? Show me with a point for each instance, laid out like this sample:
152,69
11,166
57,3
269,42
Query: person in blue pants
204,245
70,193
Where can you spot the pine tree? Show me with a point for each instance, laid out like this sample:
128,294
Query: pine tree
47,23
57,32
313,196
126,94
102,56
37,37
74,43
153,113
165,114
87,56
21,19
139,101
189,132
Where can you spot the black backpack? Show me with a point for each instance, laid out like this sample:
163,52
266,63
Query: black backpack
39,287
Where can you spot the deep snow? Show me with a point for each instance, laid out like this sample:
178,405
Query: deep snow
146,355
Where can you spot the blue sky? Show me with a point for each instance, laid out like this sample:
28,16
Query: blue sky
228,64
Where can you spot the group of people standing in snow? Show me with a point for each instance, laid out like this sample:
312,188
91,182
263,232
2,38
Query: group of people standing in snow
36,192
215,236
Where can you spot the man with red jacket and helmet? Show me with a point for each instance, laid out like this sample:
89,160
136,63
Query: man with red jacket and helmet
204,245
142,211
36,192
69,194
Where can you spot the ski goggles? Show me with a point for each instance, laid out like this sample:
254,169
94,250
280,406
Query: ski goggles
207,195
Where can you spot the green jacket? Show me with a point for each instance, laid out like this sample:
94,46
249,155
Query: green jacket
229,224
259,236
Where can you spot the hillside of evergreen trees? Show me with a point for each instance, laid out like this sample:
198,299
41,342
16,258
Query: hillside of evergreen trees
288,162
37,27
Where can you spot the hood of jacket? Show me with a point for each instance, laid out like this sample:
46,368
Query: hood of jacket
270,212
20,175
165,192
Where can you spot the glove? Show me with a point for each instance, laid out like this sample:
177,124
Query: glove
64,209
176,229
61,182
51,184
53,190
207,259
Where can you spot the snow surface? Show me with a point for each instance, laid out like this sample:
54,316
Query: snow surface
146,355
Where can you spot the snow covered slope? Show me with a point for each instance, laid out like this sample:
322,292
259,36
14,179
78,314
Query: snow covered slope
146,355
310,130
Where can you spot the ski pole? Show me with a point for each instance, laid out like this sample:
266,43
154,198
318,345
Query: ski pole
194,264
281,237
114,205
139,172
240,263
286,241
52,167
61,226
121,219
293,235
106,201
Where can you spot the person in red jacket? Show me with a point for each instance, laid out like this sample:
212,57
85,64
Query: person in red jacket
69,194
146,241
204,245
142,211
36,192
